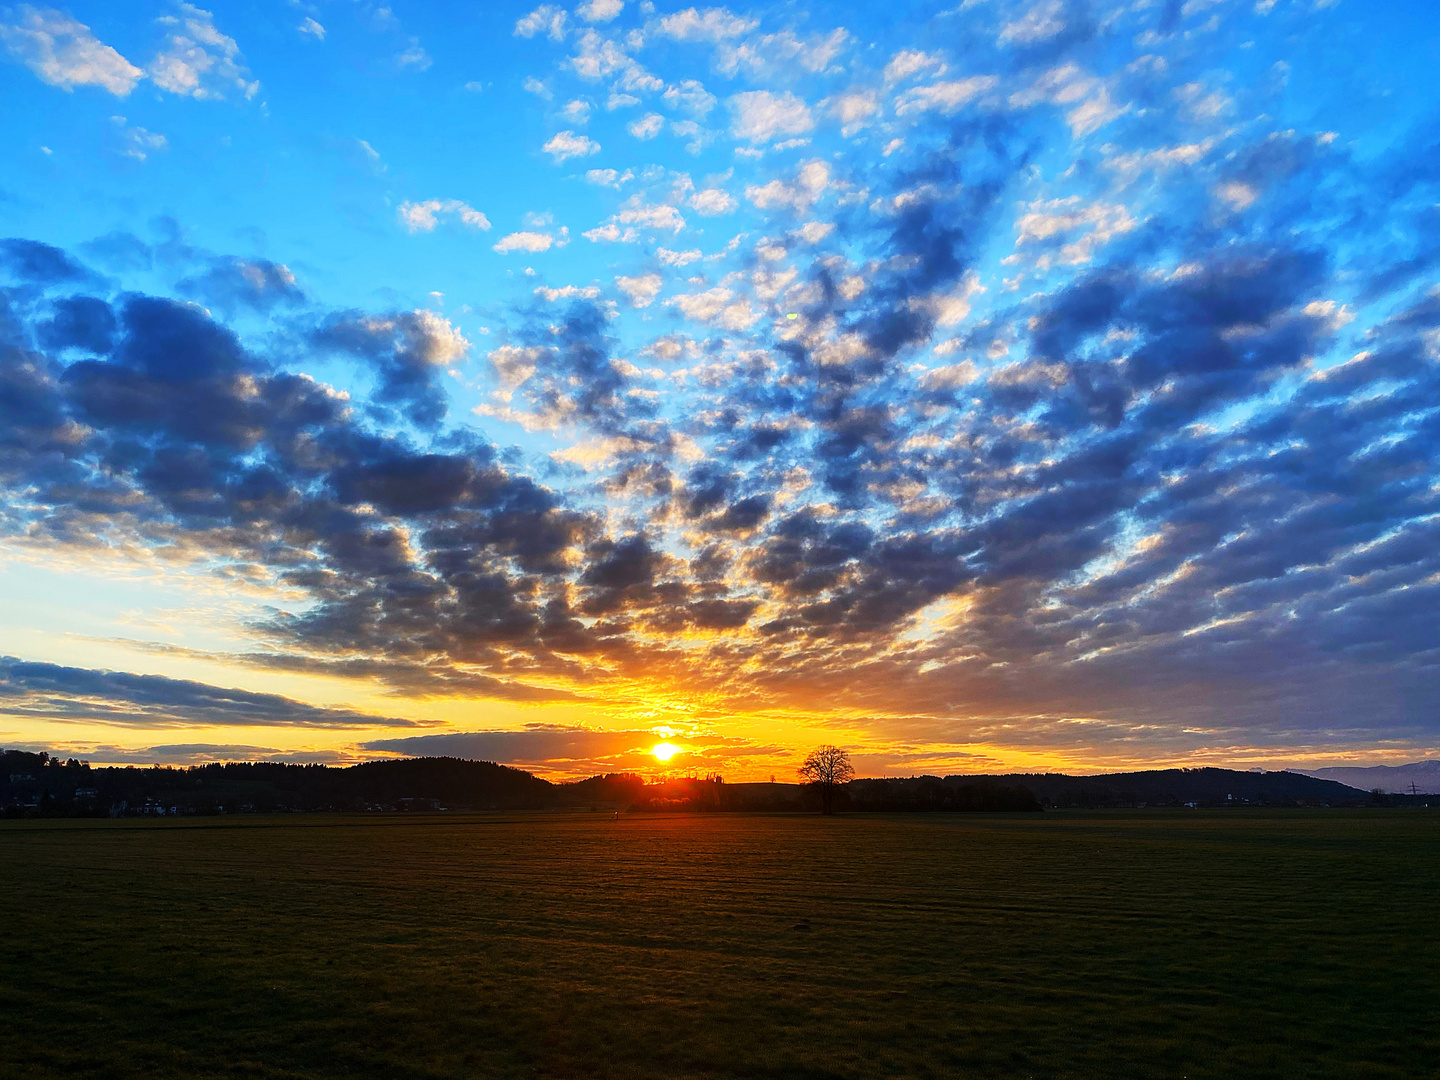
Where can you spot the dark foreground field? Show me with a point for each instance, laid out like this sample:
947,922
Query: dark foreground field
1132,944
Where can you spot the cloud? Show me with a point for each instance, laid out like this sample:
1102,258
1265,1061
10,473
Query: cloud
198,60
425,216
950,376
527,241
367,156
854,110
545,19
689,129
908,63
311,28
1237,194
1086,98
137,143
772,55
52,692
42,264
647,127
610,233
1042,22
427,336
761,116
231,284
641,289
1199,104
598,57
599,11
678,258
608,177
170,374
566,144
64,53
712,202
84,323
712,24
1054,224
810,183
565,292
944,97
690,95
413,56
406,349
719,305
650,215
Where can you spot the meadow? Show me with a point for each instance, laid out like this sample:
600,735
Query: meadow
1078,945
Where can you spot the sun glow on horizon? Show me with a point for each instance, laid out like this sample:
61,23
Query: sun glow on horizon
665,751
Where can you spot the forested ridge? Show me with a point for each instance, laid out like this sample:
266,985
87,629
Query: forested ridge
38,785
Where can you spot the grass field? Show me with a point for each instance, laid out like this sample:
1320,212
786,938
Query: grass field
1121,944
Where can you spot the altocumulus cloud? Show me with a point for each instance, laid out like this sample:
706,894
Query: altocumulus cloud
196,58
64,52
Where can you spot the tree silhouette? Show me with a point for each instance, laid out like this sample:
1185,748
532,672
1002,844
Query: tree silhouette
827,767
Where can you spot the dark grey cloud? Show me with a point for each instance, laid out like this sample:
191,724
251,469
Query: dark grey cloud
79,322
55,692
179,426
120,252
40,264
230,284
408,350
403,679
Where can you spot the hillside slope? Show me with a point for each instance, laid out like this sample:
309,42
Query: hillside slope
1396,779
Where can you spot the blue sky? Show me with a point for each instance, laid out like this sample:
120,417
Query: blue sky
1035,385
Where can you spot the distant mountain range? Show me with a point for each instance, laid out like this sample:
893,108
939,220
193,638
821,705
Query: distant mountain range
1391,779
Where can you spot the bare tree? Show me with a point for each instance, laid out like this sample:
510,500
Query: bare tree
827,768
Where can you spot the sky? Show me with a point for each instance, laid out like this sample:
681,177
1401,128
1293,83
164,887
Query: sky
1038,386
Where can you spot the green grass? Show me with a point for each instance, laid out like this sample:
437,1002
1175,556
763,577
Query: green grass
1122,944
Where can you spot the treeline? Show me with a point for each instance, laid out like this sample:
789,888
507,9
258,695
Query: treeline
1185,787
37,785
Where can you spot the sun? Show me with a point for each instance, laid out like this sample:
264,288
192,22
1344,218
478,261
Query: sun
665,751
